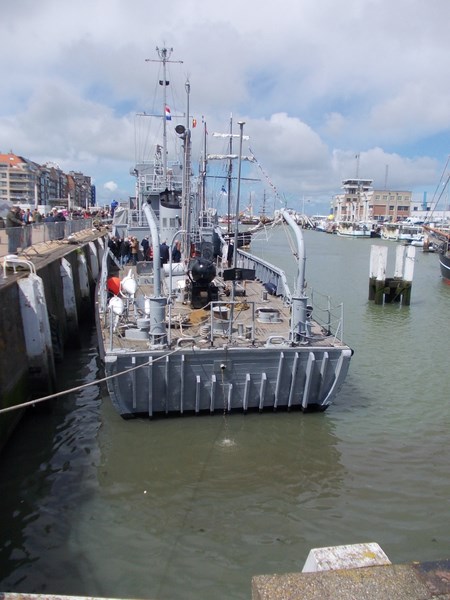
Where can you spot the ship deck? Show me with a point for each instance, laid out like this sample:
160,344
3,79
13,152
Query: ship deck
255,318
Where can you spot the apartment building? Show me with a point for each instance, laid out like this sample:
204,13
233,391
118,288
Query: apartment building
27,183
18,179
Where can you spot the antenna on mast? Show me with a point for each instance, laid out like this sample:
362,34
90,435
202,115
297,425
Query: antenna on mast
357,166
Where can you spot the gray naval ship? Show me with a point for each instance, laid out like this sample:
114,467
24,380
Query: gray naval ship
204,335
213,332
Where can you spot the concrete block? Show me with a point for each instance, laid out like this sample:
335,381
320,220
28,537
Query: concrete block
345,557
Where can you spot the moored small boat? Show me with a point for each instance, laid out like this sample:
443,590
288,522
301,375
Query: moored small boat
360,229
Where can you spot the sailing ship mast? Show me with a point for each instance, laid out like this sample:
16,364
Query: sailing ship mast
263,213
230,157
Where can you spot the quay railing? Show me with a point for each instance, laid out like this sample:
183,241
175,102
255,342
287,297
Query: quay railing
14,240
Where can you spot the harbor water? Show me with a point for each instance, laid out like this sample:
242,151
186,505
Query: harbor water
192,508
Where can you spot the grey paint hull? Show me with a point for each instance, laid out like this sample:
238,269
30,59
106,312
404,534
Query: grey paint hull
210,349
218,380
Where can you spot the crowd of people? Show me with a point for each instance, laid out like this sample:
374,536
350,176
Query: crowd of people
128,250
28,216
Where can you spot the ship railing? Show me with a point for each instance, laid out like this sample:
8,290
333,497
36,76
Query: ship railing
155,180
207,219
137,218
273,278
327,315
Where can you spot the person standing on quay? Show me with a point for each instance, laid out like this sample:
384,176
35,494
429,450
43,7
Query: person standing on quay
26,233
37,217
114,205
13,222
60,219
50,224
27,217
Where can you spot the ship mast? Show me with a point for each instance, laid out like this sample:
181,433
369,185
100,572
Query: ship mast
230,171
204,167
164,58
263,214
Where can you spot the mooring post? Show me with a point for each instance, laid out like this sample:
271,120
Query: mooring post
399,262
378,261
408,274
391,289
395,285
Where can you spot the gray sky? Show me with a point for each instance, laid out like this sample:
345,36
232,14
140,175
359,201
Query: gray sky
317,83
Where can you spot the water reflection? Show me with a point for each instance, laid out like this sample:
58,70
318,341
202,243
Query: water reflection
106,507
193,508
44,478
214,499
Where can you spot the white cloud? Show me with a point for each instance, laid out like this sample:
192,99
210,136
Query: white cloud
314,83
111,186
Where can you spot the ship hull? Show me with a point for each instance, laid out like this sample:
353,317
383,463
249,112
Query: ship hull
444,262
225,380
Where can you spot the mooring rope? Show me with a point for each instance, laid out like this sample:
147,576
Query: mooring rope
81,387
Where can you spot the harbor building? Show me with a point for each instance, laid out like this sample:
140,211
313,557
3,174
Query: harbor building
360,202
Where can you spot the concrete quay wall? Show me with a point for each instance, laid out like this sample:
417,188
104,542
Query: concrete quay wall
14,383
40,315
353,572
416,581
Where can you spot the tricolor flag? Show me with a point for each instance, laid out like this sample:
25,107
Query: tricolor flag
168,115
